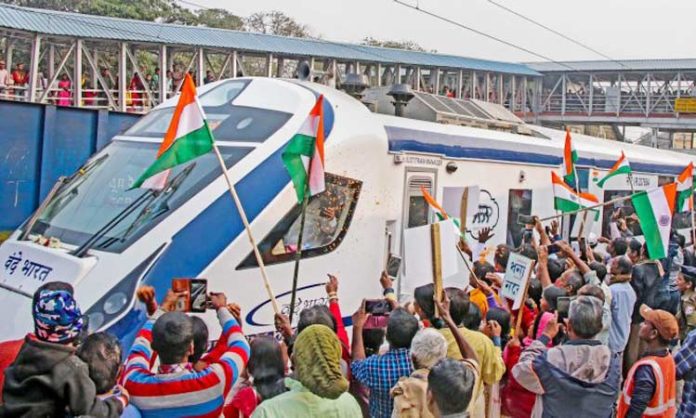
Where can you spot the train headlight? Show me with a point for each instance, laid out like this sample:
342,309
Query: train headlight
116,301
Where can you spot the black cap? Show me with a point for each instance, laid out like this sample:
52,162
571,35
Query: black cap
689,272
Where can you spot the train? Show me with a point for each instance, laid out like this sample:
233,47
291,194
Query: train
105,239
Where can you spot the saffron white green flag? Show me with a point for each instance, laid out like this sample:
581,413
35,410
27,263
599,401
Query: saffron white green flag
655,209
304,155
570,157
187,137
620,167
568,200
685,189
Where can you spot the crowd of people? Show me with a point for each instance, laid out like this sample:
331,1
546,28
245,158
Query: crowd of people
14,85
603,331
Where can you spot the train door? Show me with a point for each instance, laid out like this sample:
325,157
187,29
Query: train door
415,209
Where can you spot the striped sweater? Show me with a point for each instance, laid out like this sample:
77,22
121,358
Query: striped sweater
185,393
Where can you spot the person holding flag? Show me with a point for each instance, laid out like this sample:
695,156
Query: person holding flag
620,167
304,159
189,136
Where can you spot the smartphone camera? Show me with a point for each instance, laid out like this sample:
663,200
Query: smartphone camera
378,307
194,294
393,266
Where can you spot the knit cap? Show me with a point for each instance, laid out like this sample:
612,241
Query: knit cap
316,359
57,318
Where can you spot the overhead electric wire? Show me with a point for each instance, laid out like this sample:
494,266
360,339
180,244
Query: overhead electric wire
557,33
484,34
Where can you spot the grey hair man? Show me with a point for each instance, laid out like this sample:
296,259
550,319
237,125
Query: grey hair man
579,375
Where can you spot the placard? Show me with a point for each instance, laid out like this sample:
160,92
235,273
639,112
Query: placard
418,255
462,202
515,280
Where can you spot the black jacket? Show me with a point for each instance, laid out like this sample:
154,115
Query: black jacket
645,280
49,380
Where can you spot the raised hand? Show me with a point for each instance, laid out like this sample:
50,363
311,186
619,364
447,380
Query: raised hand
484,235
332,285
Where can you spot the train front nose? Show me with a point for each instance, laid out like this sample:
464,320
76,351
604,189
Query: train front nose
15,315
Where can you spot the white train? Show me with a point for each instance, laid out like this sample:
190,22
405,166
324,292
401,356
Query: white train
376,164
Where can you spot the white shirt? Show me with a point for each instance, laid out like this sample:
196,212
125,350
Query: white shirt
4,76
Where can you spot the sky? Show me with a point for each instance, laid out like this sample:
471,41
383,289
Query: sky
620,29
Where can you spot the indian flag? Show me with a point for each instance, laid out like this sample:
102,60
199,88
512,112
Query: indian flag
187,137
570,157
439,211
568,200
654,209
304,155
620,167
685,189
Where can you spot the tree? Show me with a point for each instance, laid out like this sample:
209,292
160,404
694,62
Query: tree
219,18
151,10
408,45
276,23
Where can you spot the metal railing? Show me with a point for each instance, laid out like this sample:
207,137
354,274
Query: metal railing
136,101
627,103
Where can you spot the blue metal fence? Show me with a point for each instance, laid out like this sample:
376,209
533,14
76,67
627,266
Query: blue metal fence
41,143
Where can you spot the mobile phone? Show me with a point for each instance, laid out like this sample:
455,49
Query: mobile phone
194,294
553,248
525,219
393,265
563,306
377,307
199,295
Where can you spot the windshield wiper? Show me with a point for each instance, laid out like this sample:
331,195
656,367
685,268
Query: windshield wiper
57,194
151,195
82,249
156,207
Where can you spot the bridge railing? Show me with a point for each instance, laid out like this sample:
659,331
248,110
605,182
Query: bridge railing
627,103
137,101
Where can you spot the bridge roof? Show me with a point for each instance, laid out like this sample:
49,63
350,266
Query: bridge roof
616,66
114,29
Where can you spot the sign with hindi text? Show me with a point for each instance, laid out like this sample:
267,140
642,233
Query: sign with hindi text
517,273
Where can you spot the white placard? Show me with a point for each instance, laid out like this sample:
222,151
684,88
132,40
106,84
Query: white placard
452,202
589,223
418,264
516,275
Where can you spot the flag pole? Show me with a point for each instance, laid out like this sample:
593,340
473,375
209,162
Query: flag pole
245,221
298,250
610,202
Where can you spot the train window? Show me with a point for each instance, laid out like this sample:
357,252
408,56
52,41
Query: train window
417,206
662,180
583,178
327,221
519,203
228,122
627,211
102,190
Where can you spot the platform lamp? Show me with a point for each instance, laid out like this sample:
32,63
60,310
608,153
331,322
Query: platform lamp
402,94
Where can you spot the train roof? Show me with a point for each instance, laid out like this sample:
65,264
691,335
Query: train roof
461,142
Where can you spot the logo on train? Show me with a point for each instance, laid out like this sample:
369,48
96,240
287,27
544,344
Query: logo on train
262,314
488,212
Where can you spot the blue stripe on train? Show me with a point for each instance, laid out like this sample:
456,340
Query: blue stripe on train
412,140
198,243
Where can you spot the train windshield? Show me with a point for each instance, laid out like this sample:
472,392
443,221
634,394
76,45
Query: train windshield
97,197
227,121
